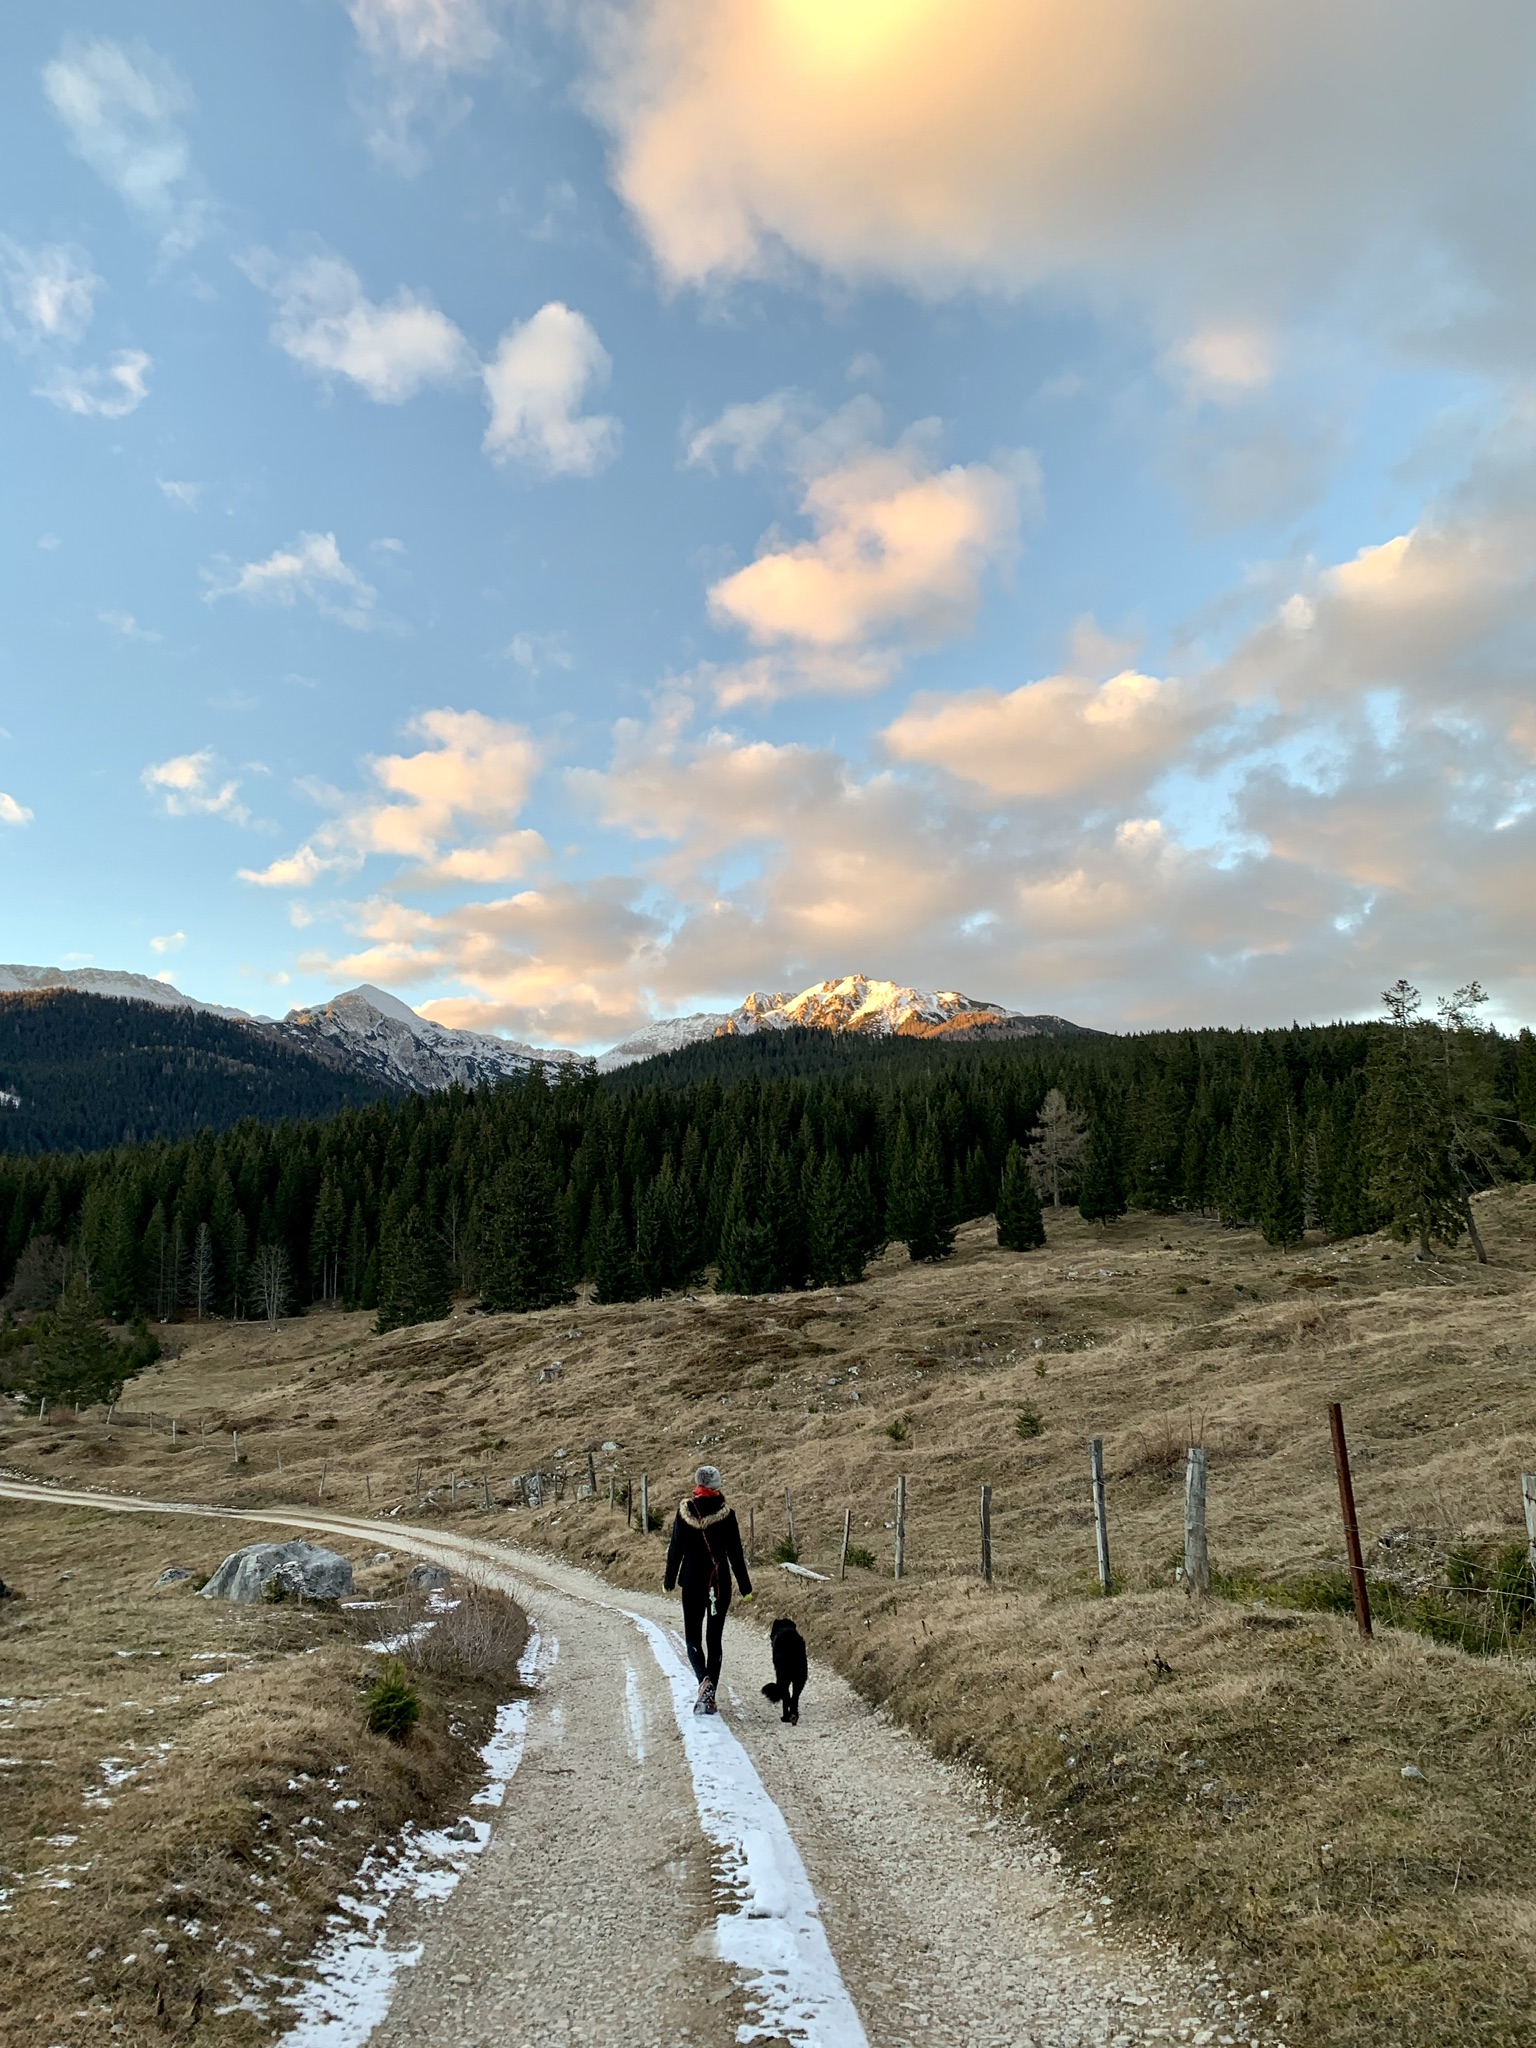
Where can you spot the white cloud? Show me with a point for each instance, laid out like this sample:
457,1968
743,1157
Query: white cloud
46,294
474,773
415,49
127,626
122,115
13,813
537,652
327,323
190,785
310,567
109,393
1061,737
172,942
1223,363
536,383
1149,147
186,494
899,551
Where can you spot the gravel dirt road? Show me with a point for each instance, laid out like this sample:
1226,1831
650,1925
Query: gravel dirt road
654,1880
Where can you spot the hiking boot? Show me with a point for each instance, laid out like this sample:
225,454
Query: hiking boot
707,1696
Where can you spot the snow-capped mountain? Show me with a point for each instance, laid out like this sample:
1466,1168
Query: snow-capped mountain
877,1009
106,981
882,1009
667,1034
374,1033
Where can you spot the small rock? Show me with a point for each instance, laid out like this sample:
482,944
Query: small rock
433,1577
461,1831
1412,1771
173,1575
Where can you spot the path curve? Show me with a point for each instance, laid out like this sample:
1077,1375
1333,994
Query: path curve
652,1879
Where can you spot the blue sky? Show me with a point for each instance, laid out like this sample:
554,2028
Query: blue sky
572,514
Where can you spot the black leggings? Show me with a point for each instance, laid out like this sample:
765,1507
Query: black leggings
702,1631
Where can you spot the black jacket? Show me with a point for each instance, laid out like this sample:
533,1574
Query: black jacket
706,1544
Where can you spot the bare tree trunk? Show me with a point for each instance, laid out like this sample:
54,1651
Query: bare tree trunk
1472,1231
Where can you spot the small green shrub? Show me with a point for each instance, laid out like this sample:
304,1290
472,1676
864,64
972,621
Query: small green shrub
858,1555
1028,1423
786,1551
392,1703
899,1430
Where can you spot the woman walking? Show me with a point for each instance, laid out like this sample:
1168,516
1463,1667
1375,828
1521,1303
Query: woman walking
704,1553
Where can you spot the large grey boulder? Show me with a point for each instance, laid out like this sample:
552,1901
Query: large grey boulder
431,1576
294,1568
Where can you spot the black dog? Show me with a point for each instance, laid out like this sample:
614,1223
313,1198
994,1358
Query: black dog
790,1669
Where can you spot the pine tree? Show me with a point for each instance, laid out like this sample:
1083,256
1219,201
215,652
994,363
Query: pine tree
75,1359
746,1244
1408,1130
1282,1213
930,1232
522,1258
836,1254
325,1241
1020,1224
415,1285
616,1278
1101,1198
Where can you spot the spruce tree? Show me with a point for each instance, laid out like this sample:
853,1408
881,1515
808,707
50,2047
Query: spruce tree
1408,1130
1101,1198
75,1359
615,1277
415,1285
1282,1214
836,1253
522,1259
930,1232
1020,1223
746,1263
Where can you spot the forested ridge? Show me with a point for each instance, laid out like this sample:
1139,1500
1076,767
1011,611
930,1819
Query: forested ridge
86,1071
643,1181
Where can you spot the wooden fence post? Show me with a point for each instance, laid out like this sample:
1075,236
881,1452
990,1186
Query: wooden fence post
842,1562
901,1527
1528,1494
325,1466
629,1503
986,1534
1197,1563
279,1464
486,1475
173,1431
368,1485
789,1516
418,1482
610,1493
592,1474
1100,1513
236,1435
1351,1521
645,1504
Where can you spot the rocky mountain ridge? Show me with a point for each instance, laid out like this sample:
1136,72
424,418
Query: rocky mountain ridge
368,1032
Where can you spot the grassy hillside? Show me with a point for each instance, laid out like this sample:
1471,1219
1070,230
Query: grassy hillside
1230,1771
92,1071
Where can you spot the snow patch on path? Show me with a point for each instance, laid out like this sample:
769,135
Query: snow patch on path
354,1967
774,1939
634,1714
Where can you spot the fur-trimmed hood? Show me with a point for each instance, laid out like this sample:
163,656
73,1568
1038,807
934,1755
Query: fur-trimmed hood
689,1510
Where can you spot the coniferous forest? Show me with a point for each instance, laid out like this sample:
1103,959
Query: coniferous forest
785,1164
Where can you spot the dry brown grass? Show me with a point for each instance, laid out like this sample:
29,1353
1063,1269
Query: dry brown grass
168,1838
1374,1908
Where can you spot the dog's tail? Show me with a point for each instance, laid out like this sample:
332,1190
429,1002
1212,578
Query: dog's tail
773,1692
